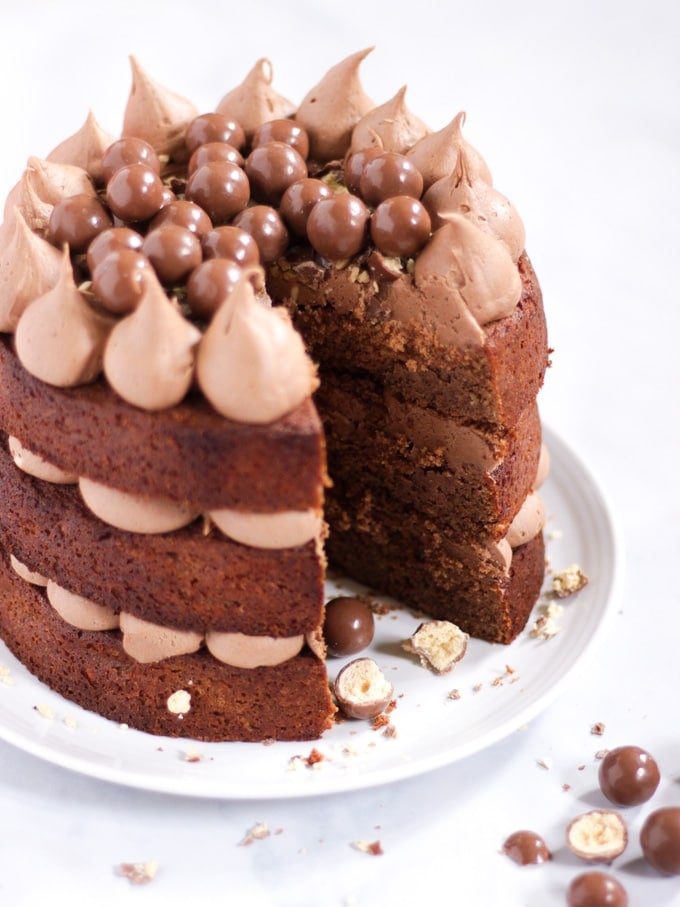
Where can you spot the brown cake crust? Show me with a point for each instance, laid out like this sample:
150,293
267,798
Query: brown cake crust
181,579
290,701
190,453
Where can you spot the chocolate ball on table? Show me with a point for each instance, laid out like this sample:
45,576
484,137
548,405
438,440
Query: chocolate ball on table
209,285
77,220
348,626
660,840
112,240
271,169
183,213
628,776
299,199
596,889
213,127
286,131
267,229
232,243
129,151
221,188
389,174
214,151
400,226
336,226
118,280
135,193
174,252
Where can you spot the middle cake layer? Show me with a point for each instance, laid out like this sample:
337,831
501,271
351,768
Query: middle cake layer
200,580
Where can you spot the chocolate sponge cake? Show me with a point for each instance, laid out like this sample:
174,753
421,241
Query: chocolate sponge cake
237,344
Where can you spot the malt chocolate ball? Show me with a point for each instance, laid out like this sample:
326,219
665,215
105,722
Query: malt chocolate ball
336,226
77,220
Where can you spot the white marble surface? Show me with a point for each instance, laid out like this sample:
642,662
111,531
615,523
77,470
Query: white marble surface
574,106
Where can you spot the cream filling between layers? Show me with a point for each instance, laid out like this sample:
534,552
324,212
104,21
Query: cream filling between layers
150,515
149,643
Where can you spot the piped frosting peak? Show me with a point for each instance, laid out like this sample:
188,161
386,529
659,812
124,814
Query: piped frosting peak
42,184
251,362
29,267
463,192
60,337
331,110
156,114
85,148
254,101
149,357
392,123
436,155
474,265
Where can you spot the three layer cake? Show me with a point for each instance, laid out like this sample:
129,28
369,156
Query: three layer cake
198,316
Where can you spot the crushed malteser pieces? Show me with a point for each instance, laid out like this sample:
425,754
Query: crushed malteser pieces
70,722
45,711
600,754
315,757
179,702
380,721
390,732
477,687
555,534
545,762
569,581
544,627
374,848
138,873
258,832
566,786
597,729
453,694
192,755
439,644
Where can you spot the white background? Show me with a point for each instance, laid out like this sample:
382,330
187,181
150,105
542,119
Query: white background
575,107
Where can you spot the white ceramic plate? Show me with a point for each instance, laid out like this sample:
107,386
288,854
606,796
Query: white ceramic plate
501,688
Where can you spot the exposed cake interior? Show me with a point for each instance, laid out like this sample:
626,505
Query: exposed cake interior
200,317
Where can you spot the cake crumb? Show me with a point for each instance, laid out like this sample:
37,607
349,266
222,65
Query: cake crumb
258,832
380,721
179,703
597,729
138,873
123,726
453,694
569,581
314,760
45,711
390,732
477,687
6,676
374,848
545,762
566,786
600,754
70,722
192,755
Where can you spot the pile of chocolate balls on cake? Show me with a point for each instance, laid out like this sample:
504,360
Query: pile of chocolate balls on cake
226,204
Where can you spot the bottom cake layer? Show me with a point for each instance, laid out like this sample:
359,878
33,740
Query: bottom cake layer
423,568
191,696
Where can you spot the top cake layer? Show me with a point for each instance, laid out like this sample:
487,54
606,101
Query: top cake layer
161,293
